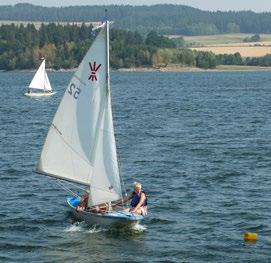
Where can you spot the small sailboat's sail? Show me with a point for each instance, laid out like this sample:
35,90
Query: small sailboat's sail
80,145
40,80
47,85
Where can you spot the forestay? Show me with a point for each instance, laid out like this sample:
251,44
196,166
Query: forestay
80,145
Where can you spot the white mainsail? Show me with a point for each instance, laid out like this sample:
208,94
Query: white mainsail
80,145
47,85
40,80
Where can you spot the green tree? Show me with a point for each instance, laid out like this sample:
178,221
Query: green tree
205,60
185,57
153,39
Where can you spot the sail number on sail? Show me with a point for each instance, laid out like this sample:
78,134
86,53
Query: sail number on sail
74,91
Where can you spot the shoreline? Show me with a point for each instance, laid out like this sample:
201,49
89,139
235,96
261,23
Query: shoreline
168,68
179,68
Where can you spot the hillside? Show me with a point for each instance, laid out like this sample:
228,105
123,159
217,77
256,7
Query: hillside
165,19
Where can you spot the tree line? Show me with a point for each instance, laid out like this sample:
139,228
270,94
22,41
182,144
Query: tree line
63,46
165,19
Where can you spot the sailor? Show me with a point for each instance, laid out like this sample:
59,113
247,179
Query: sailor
138,199
83,202
83,205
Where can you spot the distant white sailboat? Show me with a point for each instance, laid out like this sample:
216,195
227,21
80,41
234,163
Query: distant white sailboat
80,145
40,84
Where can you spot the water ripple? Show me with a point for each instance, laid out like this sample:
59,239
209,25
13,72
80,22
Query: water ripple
200,144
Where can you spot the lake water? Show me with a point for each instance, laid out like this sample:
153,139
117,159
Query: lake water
200,143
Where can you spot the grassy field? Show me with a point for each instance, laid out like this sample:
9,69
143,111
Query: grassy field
230,44
196,41
245,51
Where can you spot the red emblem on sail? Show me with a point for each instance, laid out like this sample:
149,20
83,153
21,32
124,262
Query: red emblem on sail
93,68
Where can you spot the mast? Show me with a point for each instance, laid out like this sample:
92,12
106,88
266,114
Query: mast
107,85
108,90
107,53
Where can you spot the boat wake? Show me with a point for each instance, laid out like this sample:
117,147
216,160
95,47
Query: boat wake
83,227
95,229
74,228
127,232
139,228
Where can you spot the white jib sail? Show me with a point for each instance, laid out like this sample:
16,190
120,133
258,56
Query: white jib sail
80,145
39,78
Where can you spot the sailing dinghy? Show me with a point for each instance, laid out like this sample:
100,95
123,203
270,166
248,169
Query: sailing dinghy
40,84
80,146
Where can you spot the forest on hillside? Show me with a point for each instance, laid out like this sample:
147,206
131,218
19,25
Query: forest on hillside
165,19
63,46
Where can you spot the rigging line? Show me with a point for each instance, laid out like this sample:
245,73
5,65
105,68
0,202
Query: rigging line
74,185
66,188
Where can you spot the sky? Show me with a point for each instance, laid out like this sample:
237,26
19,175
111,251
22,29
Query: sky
212,5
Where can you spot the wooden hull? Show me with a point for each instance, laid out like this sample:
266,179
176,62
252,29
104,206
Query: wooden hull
41,94
113,218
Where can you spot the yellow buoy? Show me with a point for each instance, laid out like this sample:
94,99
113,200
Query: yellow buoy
248,236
